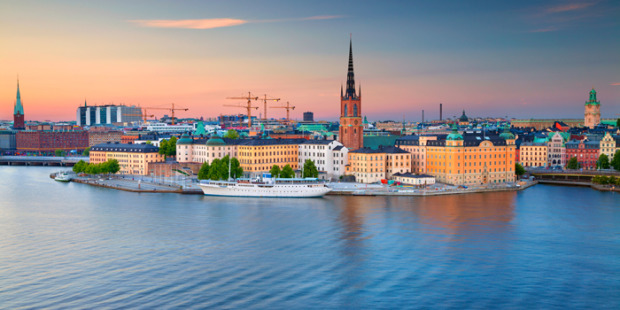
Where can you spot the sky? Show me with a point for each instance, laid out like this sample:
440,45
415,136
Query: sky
521,59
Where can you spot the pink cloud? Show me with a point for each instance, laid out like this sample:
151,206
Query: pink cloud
548,29
191,23
569,7
615,84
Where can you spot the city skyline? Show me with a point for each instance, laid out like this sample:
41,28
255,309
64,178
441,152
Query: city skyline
490,59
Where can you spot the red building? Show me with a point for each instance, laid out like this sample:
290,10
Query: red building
50,141
351,132
585,151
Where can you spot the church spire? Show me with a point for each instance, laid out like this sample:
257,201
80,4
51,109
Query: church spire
350,92
19,108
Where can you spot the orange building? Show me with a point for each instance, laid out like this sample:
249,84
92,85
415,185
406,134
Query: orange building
370,166
256,156
472,159
416,146
132,158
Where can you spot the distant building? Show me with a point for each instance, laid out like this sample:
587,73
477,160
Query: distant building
107,114
45,141
205,150
351,130
308,117
592,114
533,154
329,156
7,140
585,151
556,150
463,120
132,158
608,145
99,135
370,166
18,112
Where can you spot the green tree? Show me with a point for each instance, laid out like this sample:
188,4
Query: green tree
573,163
92,169
275,171
80,166
310,170
519,170
203,173
113,166
232,134
148,142
615,161
59,153
172,147
602,162
163,147
214,173
618,123
86,151
287,172
235,167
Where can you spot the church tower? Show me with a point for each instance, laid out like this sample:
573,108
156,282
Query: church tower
18,112
592,115
351,132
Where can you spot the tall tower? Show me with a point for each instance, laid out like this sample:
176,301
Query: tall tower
18,112
592,115
351,128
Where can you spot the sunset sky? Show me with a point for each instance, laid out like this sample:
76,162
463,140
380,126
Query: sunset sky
491,58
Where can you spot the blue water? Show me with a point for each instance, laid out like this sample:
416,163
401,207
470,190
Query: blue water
71,246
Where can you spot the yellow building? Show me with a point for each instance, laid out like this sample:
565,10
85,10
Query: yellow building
416,146
472,158
533,154
257,156
370,166
608,146
132,158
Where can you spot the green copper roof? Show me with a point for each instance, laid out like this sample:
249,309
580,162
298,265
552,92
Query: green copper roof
200,129
454,135
507,135
592,100
311,127
19,108
373,142
185,139
215,140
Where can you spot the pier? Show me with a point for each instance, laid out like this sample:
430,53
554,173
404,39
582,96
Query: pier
41,160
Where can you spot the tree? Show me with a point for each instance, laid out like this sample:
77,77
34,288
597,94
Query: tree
203,173
86,151
573,163
148,142
232,134
213,170
163,147
80,166
602,162
92,169
618,123
519,170
60,153
287,172
310,170
235,167
113,166
275,171
172,147
615,161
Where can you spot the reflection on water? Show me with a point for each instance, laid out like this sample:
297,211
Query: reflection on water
74,246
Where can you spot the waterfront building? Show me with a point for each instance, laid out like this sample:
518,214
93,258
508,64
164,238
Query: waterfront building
351,129
592,114
472,158
329,157
99,135
556,150
585,151
608,145
414,179
259,155
533,154
107,114
373,165
47,141
132,158
18,112
416,146
205,150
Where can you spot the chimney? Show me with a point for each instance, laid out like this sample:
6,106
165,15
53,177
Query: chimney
422,116
441,111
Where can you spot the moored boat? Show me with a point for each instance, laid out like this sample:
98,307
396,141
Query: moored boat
267,187
62,177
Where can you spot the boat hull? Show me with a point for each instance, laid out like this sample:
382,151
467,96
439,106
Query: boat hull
265,191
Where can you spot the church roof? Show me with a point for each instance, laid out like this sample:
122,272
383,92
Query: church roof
19,108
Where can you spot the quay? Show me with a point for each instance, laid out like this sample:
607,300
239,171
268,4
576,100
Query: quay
67,161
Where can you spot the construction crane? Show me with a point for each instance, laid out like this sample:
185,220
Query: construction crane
169,109
249,107
143,115
265,102
288,108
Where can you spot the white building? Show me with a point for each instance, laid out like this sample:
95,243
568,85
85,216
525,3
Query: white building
166,128
329,157
107,114
200,151
556,151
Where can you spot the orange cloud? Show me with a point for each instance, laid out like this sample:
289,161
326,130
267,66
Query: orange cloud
615,84
569,7
191,23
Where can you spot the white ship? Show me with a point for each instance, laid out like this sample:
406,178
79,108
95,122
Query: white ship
62,177
267,187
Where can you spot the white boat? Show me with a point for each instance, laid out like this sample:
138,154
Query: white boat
62,177
267,187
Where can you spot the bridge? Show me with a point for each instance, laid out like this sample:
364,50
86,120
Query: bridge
569,177
41,160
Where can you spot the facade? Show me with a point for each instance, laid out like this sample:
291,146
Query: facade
165,128
205,150
541,124
132,158
7,140
100,136
414,179
18,112
107,114
416,146
308,116
328,161
351,131
472,159
608,146
533,154
556,151
257,156
370,166
585,151
592,114
49,141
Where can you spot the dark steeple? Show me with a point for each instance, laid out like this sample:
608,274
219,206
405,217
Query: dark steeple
350,92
